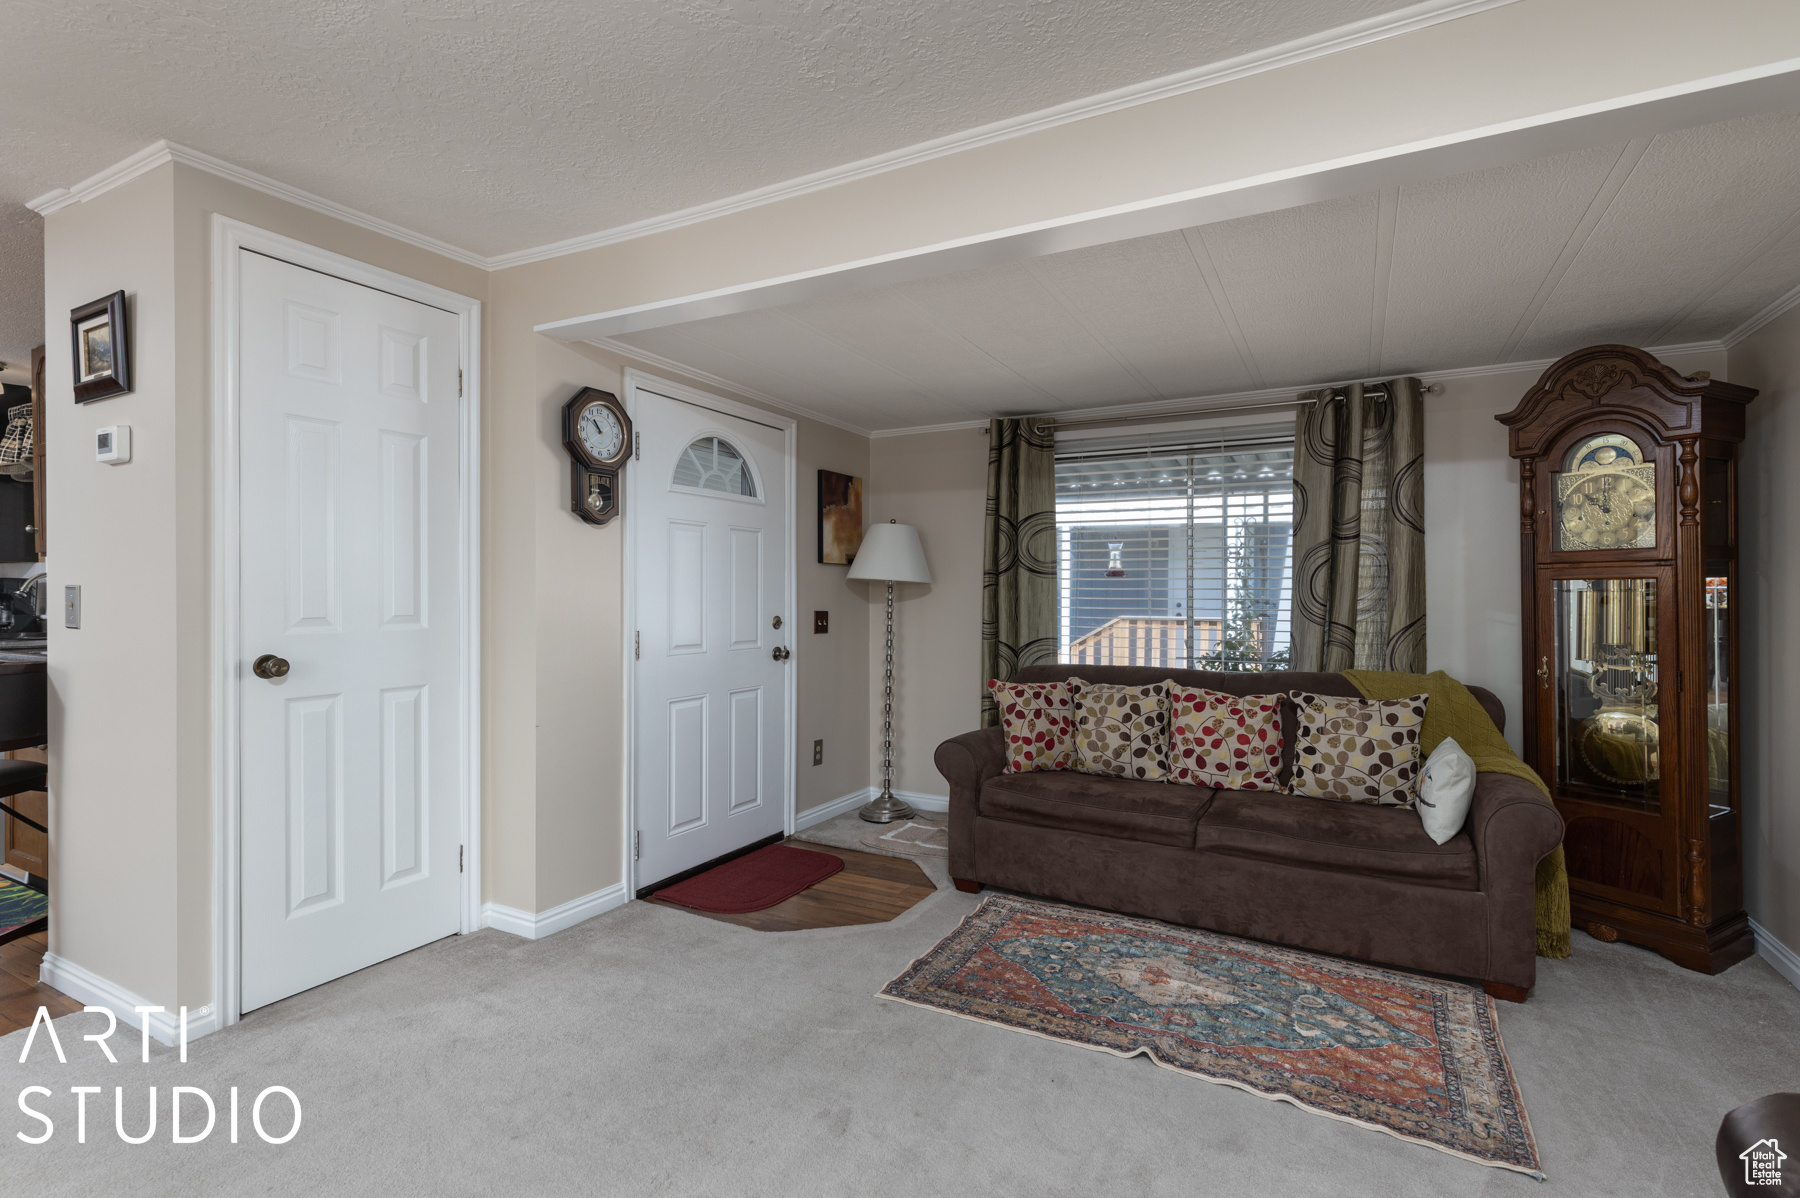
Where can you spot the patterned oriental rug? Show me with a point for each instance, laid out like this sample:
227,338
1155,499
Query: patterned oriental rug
1415,1057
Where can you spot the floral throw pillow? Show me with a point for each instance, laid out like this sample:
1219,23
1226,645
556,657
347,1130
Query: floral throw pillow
1121,731
1357,750
1038,719
1230,741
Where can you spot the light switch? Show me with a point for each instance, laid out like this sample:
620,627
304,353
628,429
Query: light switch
821,621
71,607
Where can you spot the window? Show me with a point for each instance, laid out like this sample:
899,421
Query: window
1176,549
714,464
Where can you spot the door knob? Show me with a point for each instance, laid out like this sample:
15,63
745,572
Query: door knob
781,653
269,666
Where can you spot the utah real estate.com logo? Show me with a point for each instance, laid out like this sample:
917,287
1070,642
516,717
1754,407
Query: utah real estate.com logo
1762,1163
33,1099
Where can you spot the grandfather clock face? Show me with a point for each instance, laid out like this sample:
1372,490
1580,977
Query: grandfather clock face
1606,496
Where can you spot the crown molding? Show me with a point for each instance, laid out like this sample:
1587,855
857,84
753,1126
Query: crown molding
1761,318
953,427
708,379
1318,45
1197,405
158,153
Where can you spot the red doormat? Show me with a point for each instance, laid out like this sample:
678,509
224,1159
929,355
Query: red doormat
753,881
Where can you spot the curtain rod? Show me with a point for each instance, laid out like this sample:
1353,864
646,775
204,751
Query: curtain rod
1189,413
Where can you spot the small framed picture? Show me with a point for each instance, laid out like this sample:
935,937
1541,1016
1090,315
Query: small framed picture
100,344
840,517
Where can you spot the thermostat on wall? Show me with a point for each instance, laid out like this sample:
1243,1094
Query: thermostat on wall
113,444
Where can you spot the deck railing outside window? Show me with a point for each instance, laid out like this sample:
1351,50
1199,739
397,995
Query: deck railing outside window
1176,552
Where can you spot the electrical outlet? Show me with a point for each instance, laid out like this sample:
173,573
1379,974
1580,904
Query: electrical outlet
821,621
818,752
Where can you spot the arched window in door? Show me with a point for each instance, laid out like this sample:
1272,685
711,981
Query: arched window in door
714,464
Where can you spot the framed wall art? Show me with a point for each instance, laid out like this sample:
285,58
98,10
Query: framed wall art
840,517
100,343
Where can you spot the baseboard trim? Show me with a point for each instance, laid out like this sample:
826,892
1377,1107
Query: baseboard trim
90,989
813,816
924,802
548,923
1782,959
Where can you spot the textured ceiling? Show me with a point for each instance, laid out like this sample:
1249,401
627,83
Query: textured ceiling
499,125
1670,240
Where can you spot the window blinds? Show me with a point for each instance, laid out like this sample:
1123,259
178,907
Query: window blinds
1175,549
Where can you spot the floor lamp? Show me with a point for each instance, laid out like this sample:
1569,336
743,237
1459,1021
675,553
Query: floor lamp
890,553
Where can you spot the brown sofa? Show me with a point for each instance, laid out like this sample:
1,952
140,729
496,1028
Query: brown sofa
1358,881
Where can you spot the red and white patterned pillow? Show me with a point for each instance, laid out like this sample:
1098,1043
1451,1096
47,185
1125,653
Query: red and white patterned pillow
1038,719
1230,741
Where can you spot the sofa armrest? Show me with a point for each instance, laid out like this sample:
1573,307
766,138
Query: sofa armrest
1514,826
967,762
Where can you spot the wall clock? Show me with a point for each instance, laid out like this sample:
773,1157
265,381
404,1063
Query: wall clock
597,434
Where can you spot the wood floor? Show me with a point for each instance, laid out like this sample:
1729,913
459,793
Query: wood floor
21,994
870,888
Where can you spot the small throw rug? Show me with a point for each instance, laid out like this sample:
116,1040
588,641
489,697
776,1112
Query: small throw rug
913,837
770,875
1415,1057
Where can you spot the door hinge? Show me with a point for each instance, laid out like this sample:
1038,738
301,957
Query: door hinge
637,446
459,858
638,853
459,382
637,646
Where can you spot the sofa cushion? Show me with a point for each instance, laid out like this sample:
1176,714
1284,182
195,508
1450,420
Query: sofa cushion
1383,842
1039,722
1151,812
1228,741
1357,750
1121,731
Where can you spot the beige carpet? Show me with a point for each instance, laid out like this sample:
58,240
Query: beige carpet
654,1052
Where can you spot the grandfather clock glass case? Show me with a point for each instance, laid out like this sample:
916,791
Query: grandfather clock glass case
1628,530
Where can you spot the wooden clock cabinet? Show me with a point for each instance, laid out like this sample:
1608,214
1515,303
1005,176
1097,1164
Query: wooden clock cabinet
1628,529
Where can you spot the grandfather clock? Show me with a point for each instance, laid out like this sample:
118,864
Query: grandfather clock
1628,527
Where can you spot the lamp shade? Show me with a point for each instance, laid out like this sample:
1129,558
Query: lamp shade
891,553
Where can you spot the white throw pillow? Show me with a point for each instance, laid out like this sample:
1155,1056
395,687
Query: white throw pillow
1445,790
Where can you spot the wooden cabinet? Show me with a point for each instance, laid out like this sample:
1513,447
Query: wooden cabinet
1629,540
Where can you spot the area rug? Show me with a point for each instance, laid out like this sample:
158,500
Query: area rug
1418,1058
770,875
913,838
20,906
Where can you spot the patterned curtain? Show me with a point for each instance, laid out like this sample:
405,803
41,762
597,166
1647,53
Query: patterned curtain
1018,571
1359,529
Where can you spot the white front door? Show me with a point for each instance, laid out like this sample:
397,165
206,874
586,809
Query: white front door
711,522
351,764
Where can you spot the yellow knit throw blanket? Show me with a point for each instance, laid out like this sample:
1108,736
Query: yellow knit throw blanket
1452,711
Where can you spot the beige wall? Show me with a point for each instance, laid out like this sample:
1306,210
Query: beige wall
1768,642
1472,531
117,730
936,482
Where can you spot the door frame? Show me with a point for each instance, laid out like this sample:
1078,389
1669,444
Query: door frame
228,238
636,380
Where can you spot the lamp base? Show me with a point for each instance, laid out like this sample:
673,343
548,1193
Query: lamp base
884,808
